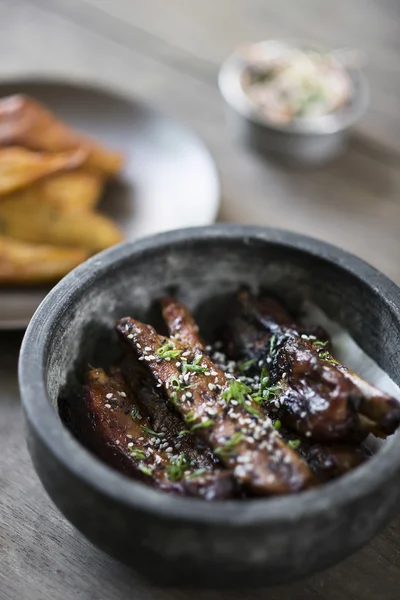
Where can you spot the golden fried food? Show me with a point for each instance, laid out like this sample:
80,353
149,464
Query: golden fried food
20,167
24,218
75,191
25,122
22,263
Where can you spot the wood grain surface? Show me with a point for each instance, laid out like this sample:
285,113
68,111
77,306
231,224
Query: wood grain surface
168,53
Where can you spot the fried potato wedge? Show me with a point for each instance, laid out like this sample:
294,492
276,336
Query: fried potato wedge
22,263
75,191
25,122
23,218
20,167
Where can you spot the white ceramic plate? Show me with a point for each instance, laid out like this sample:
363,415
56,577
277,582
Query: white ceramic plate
169,180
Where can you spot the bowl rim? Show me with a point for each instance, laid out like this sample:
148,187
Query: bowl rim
229,83
55,437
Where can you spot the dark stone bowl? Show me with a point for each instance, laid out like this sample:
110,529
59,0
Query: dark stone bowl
175,540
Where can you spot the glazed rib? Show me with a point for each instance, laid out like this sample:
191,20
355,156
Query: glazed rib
121,434
315,398
161,414
316,378
218,410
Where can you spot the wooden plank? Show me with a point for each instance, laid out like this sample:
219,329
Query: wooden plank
352,202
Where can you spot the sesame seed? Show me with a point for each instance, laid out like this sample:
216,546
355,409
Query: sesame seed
109,396
128,435
178,364
117,442
169,450
141,358
211,386
130,445
130,336
107,405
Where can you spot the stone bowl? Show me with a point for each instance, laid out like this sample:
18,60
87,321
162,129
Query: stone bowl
183,541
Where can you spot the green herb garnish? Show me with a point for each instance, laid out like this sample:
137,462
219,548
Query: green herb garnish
197,473
228,448
190,417
176,383
326,356
150,432
266,393
277,425
184,432
177,468
272,345
193,367
294,444
168,351
240,392
135,414
146,470
319,344
136,453
207,423
237,390
245,366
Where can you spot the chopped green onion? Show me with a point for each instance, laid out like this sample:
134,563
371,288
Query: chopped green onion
136,453
237,390
228,448
194,366
207,423
177,468
146,470
168,351
190,417
135,414
150,432
272,345
294,444
197,473
184,432
320,344
245,366
277,425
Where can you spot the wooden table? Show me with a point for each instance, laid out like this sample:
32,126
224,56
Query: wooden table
167,53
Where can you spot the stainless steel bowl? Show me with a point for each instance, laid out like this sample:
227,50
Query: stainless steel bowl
304,141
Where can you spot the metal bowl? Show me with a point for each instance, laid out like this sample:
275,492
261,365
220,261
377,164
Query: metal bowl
178,540
309,142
